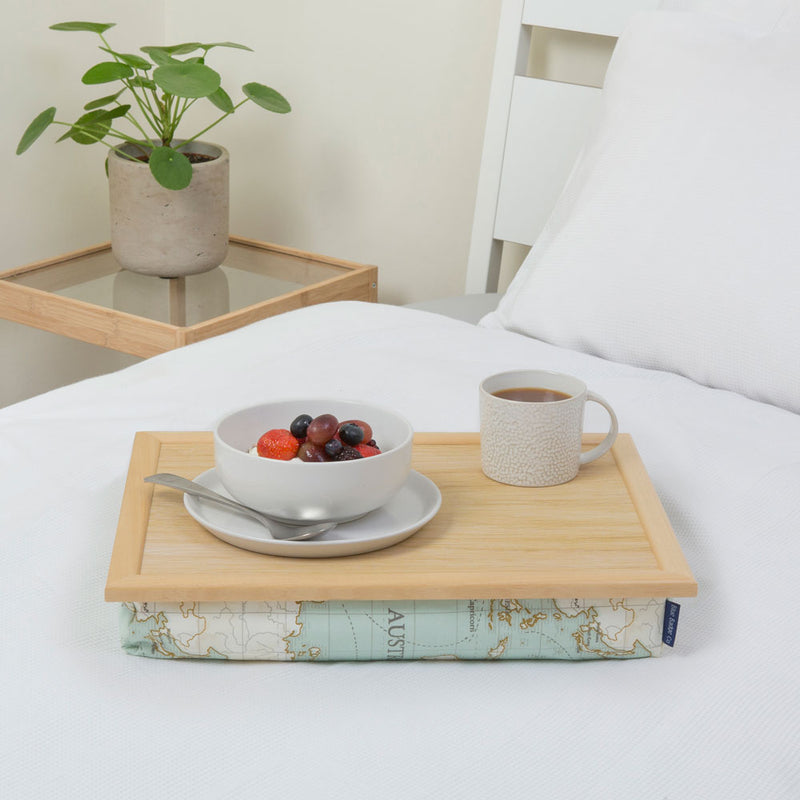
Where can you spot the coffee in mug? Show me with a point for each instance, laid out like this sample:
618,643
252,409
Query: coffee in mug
531,427
531,394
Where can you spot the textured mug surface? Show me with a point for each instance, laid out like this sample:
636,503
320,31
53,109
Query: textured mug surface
536,443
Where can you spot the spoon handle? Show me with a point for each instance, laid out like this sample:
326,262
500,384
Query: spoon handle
280,531
190,487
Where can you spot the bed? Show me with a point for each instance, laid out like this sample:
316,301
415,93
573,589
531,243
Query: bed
666,277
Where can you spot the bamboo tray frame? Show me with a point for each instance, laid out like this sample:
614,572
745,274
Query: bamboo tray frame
40,307
604,534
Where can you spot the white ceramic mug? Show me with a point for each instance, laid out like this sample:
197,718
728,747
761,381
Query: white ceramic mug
528,443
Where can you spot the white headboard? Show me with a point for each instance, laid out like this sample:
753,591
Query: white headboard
535,127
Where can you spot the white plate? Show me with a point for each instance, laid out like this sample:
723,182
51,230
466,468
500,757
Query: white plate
416,503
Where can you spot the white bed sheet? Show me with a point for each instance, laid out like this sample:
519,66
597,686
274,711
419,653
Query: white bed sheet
717,717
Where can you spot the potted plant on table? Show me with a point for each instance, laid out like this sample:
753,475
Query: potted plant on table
168,195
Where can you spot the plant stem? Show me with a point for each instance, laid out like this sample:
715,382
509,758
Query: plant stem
101,140
143,107
146,108
169,125
135,122
216,122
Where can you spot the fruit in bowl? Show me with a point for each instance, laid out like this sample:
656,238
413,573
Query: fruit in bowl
321,438
318,489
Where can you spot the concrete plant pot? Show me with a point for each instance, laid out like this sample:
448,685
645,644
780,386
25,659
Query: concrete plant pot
158,231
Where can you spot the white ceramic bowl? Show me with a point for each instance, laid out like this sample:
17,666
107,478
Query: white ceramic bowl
304,491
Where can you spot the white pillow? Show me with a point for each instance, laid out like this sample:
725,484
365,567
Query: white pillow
763,15
676,242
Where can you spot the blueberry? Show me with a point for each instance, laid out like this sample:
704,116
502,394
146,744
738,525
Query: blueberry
299,427
351,434
333,447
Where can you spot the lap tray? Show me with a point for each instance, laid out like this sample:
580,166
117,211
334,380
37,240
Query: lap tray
603,536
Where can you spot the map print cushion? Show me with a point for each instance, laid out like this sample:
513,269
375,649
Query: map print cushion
572,629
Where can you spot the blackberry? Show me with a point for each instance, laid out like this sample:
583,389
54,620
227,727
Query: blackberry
348,454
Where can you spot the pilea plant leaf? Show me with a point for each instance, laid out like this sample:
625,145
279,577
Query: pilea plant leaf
131,59
102,101
170,168
144,83
36,129
155,81
182,49
267,98
118,111
89,27
88,128
221,99
159,55
105,72
93,126
226,44
187,80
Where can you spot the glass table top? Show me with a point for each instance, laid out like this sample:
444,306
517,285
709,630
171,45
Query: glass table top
249,275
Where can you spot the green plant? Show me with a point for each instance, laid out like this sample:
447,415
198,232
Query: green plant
162,88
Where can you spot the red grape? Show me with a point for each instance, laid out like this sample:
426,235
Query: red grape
322,428
312,452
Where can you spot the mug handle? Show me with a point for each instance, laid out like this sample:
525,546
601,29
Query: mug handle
605,445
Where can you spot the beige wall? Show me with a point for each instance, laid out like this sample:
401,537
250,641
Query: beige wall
378,161
54,197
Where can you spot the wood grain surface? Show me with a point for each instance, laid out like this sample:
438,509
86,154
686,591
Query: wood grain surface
603,534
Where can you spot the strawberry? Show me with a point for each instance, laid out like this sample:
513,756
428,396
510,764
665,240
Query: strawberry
278,443
367,450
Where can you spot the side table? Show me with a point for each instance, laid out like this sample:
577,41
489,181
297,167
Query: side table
86,295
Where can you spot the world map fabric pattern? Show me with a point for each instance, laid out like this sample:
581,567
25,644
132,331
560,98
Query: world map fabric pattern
569,629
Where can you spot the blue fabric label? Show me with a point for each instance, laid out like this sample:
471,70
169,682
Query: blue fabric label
671,612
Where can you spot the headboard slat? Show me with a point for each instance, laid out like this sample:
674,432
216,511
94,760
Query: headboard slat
547,126
604,17
522,174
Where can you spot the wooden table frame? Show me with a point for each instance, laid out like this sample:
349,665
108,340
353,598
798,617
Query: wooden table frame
140,336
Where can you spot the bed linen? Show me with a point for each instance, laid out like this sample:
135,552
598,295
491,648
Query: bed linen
715,717
674,243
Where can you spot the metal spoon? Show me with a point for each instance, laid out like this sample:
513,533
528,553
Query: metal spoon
278,530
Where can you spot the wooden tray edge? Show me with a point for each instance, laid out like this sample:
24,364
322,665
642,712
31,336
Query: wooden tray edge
126,554
673,578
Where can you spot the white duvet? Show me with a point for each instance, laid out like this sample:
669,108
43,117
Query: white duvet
717,717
